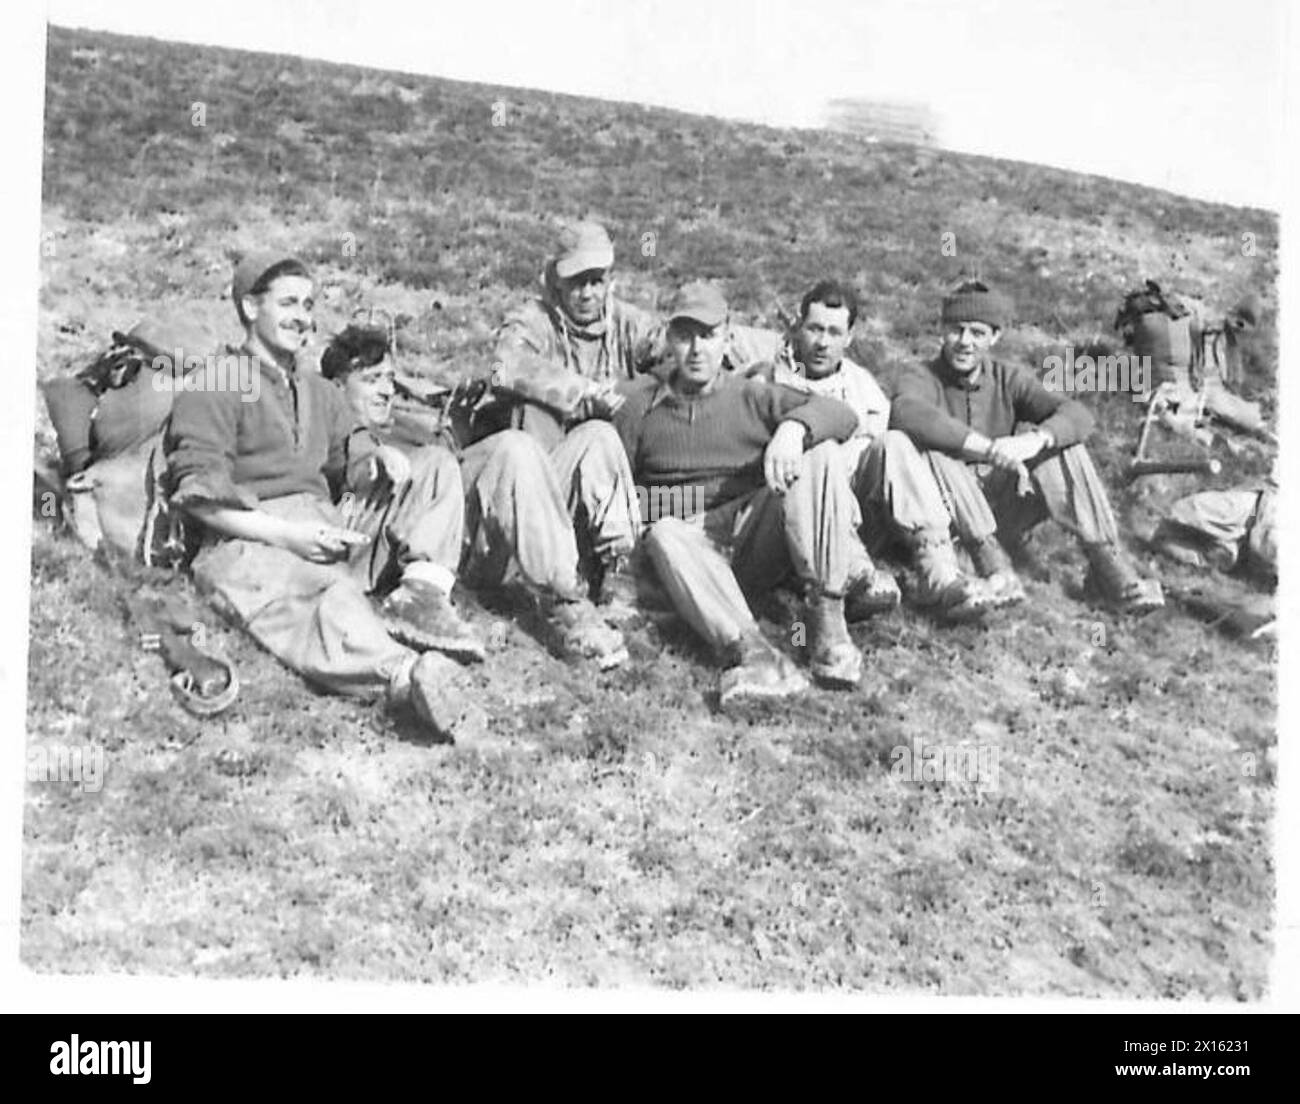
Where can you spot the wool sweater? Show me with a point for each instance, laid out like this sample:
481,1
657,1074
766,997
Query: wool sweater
938,407
714,440
224,451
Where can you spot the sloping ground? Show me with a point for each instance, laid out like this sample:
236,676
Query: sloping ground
617,828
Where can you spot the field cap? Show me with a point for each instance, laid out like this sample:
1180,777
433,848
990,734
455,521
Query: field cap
582,246
158,335
253,266
701,302
974,301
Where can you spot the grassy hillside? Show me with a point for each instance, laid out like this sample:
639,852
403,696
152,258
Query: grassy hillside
619,829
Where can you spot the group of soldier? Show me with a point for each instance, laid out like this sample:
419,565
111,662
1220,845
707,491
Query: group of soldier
333,529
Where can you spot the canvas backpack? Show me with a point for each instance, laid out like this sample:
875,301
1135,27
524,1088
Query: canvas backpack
1160,327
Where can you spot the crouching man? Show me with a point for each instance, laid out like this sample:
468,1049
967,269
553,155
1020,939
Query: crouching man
1008,454
893,484
277,556
761,465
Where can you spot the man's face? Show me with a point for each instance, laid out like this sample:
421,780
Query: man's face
965,343
281,316
696,352
370,391
583,296
820,339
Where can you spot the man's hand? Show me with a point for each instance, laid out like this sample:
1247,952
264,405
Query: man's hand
1011,453
603,400
319,543
783,457
393,463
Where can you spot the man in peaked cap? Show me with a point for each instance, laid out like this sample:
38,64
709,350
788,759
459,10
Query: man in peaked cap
1008,453
278,556
746,487
558,363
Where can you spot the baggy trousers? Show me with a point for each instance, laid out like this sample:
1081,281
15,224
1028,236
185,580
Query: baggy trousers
1064,486
314,618
423,521
708,563
317,619
529,508
895,486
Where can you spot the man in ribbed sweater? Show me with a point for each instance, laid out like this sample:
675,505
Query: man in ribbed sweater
763,494
1008,453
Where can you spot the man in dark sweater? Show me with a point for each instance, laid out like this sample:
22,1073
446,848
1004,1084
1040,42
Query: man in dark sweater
277,557
753,489
1008,453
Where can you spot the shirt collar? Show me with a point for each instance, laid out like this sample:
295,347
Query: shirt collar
665,393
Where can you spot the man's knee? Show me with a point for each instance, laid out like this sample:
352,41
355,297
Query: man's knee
596,439
898,448
667,535
825,458
435,464
515,451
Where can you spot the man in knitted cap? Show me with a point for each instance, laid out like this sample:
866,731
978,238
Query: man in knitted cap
557,364
1008,453
277,556
893,484
751,489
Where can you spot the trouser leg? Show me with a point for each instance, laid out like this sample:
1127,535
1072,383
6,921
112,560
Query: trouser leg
418,527
517,512
819,518
1072,494
591,468
962,492
314,618
896,486
699,579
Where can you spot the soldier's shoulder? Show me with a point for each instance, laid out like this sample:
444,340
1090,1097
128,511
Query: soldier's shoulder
748,346
630,313
529,314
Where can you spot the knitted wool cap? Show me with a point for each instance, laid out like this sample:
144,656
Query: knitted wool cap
253,266
977,302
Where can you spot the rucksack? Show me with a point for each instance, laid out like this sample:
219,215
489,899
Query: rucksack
110,429
1156,326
